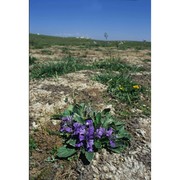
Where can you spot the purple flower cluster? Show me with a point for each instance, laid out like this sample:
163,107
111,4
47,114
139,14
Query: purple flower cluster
102,132
85,133
66,124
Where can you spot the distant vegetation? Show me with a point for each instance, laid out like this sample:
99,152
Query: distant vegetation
43,41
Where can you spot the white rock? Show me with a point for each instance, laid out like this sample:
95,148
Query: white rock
97,156
35,126
105,169
55,122
95,169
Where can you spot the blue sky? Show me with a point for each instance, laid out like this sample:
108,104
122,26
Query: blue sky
121,19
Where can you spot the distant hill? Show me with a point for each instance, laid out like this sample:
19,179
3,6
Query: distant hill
38,41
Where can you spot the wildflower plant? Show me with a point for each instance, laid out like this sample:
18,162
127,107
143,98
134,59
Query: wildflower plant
85,132
129,92
121,87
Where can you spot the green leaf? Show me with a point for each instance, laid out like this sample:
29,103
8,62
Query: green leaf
82,151
129,99
70,108
117,150
78,118
98,119
82,105
119,123
64,152
121,129
72,142
78,109
98,144
122,132
107,122
89,156
66,113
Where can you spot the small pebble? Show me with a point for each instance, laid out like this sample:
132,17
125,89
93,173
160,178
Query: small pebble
105,169
94,162
97,156
95,169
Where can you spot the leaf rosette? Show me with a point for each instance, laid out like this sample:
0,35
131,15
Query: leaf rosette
86,132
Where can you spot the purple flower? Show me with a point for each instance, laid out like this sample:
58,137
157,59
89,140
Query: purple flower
89,122
90,132
81,137
112,143
66,129
79,144
82,129
84,133
76,125
90,145
89,135
89,129
100,132
79,128
66,124
109,132
67,118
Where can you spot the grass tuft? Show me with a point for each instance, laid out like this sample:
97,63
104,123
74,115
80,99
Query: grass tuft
67,65
121,86
70,64
117,65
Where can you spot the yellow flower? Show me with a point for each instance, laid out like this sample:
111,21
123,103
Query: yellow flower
136,87
121,88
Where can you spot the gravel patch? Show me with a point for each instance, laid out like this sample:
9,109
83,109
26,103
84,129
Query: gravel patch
55,94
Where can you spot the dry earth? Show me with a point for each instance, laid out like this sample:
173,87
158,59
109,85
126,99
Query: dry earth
94,54
53,95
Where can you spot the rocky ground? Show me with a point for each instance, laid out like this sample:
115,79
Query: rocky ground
51,95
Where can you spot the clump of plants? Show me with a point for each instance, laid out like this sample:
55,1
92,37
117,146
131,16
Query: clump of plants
122,87
130,92
66,65
85,132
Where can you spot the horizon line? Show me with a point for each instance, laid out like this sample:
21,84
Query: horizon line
83,37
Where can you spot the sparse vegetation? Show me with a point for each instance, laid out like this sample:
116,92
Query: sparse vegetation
117,65
65,66
147,60
121,86
32,144
32,60
70,64
46,52
116,74
42,41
